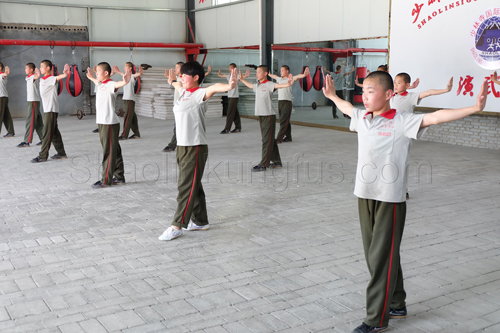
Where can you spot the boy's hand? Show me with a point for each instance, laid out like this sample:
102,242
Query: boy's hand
127,76
220,73
141,70
209,69
481,98
306,71
241,76
170,75
233,80
290,80
329,88
166,73
495,77
7,70
247,73
90,73
37,73
450,84
66,69
114,70
356,80
414,84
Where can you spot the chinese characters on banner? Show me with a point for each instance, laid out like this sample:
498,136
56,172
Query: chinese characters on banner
465,86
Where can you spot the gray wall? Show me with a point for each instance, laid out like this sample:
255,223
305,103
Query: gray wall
16,57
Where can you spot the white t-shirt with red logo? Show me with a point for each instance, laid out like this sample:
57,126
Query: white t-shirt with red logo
263,98
48,93
32,89
105,99
3,86
405,102
189,112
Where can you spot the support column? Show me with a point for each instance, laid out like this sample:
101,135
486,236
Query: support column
191,15
266,15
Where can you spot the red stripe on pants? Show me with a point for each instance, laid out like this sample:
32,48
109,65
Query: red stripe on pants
126,121
109,155
32,120
271,136
192,186
390,264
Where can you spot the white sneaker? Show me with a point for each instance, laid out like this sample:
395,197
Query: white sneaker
193,226
170,234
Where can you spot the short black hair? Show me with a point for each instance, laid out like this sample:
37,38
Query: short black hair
383,68
180,63
1,65
405,76
384,79
193,68
47,63
338,67
31,65
264,68
233,65
105,67
286,67
128,63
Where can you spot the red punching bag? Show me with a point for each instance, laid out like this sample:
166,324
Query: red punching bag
74,83
319,78
358,92
137,85
305,83
59,83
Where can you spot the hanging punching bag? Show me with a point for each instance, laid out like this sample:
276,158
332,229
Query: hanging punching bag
59,83
137,85
319,78
305,83
358,91
74,83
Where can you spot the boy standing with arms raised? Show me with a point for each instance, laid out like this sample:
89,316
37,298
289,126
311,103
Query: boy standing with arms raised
192,146
5,116
108,123
232,109
264,90
34,120
285,98
48,93
384,137
130,118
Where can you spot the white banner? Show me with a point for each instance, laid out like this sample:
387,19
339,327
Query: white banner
437,39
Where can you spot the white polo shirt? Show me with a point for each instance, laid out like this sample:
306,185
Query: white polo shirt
128,90
48,93
32,89
3,86
263,98
176,93
105,103
233,93
338,80
405,102
383,147
284,94
189,112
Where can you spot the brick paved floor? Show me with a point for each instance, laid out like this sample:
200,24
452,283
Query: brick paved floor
283,252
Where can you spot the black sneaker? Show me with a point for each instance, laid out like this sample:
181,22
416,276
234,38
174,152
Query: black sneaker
287,140
258,168
167,148
95,131
121,137
224,132
236,130
9,135
335,117
398,314
58,157
279,141
39,143
407,196
118,181
23,144
133,136
363,328
38,159
99,184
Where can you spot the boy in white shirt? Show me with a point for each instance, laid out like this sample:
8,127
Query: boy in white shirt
34,120
48,93
192,146
5,116
232,109
130,120
173,142
108,124
264,90
384,137
285,98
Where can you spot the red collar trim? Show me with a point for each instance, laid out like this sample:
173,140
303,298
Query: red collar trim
30,75
266,80
106,81
387,114
402,94
192,90
336,72
2,72
46,77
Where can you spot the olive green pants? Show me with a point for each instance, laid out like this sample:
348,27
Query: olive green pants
233,115
285,111
270,151
5,116
112,160
34,122
51,135
130,121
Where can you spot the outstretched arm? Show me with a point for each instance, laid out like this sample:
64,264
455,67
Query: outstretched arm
301,76
495,78
414,84
356,82
350,72
126,79
139,73
324,70
285,85
273,76
222,75
245,82
209,70
64,74
222,87
6,72
433,92
114,70
329,91
91,76
172,79
444,116
247,74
